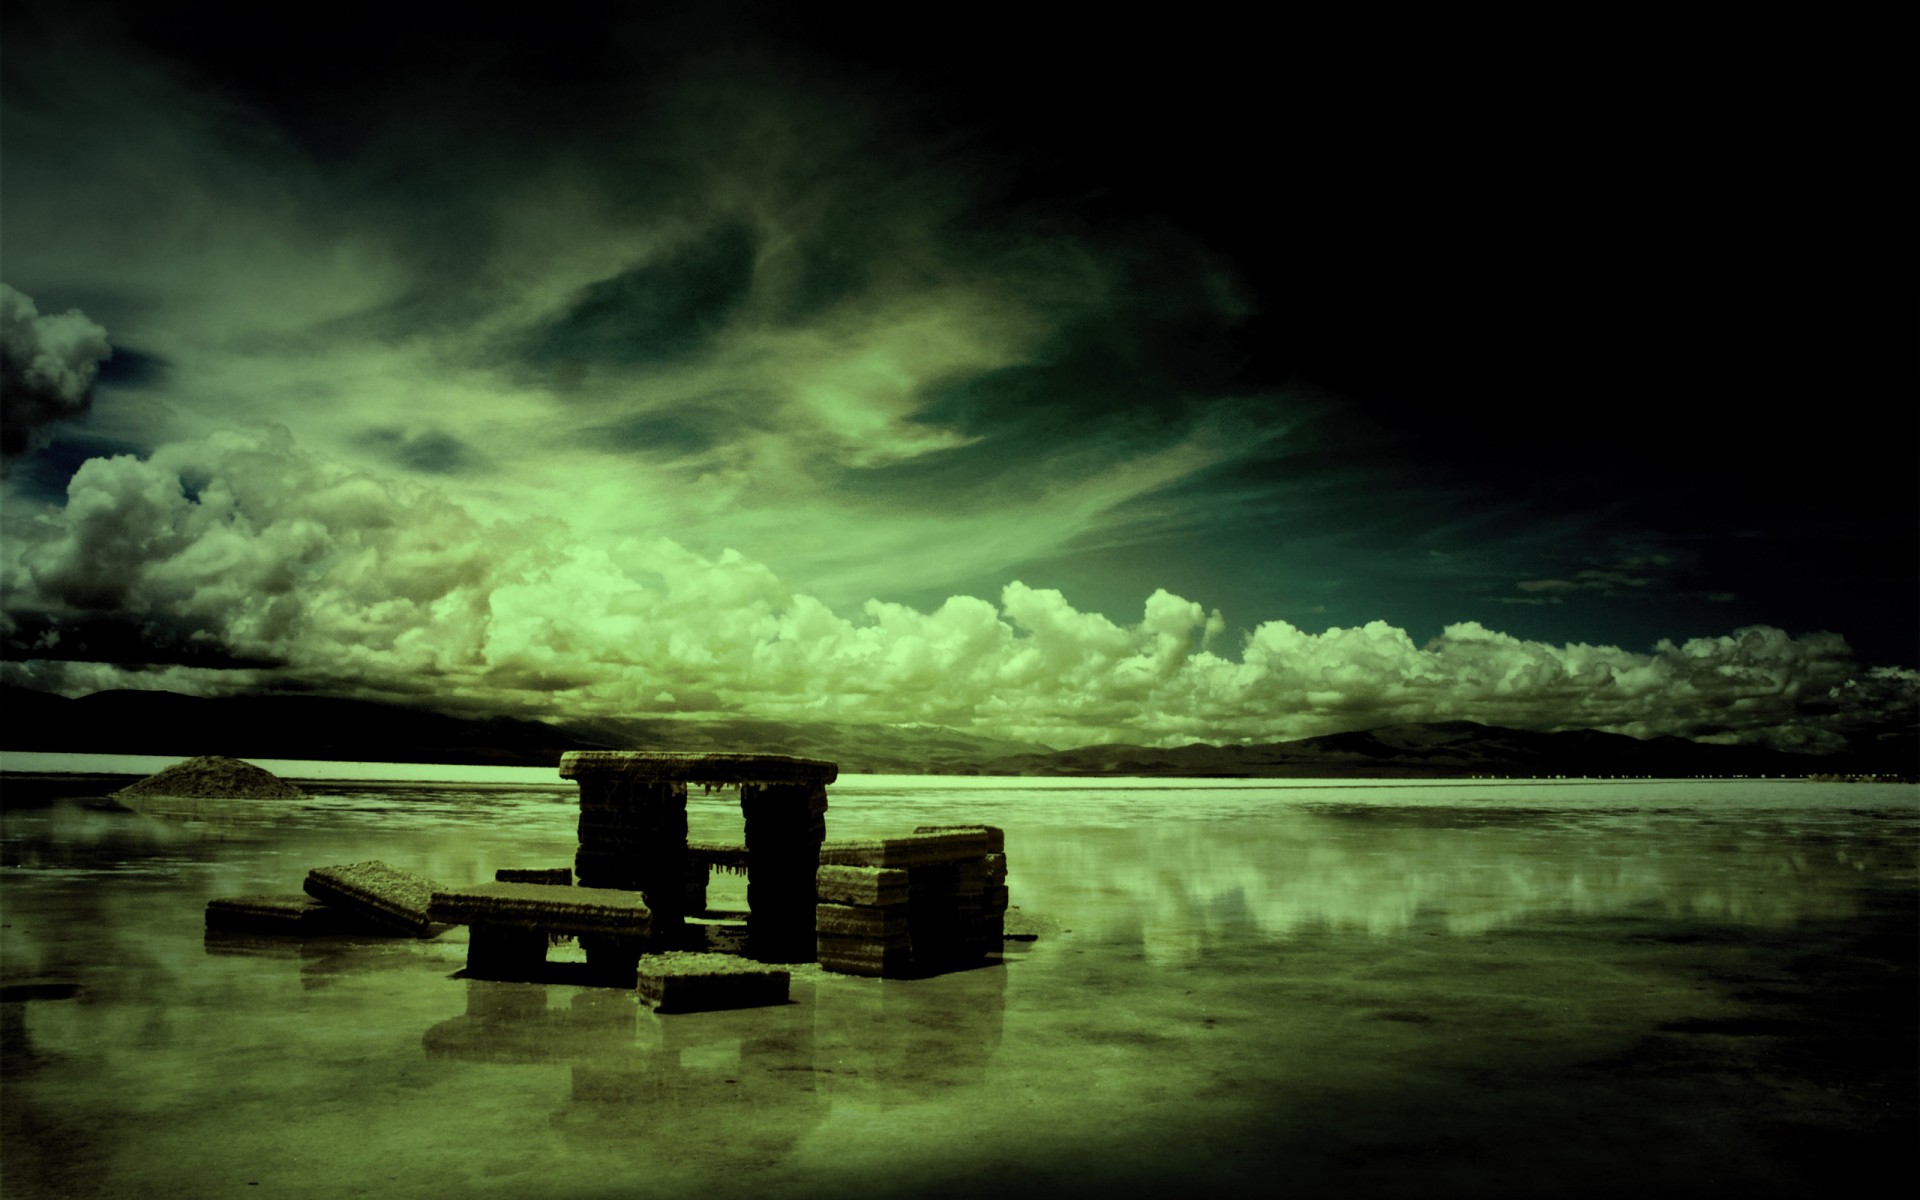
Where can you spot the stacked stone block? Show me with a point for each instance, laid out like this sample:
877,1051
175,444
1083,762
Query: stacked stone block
916,905
993,894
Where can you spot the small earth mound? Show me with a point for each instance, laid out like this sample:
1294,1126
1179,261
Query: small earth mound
215,778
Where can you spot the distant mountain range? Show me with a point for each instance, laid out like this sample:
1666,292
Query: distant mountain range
313,727
1454,748
317,727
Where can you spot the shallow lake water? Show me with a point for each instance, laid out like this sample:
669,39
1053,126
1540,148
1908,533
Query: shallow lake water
1249,988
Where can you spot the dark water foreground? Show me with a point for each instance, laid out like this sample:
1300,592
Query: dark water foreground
1262,991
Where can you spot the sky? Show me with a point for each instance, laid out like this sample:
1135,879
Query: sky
1155,379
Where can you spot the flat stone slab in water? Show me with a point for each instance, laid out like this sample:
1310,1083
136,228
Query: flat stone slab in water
680,981
550,907
294,914
384,895
695,767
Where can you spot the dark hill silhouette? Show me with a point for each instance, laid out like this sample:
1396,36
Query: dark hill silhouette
327,728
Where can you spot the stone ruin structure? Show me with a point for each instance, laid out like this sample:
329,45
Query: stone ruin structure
930,901
633,835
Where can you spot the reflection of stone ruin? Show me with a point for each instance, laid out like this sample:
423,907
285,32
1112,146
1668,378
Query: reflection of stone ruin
922,903
639,1085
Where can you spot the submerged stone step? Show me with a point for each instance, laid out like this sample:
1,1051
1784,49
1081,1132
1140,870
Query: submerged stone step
683,981
294,914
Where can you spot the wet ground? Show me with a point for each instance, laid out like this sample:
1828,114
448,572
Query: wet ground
1470,993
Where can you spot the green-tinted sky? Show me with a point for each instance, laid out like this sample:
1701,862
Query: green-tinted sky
1070,379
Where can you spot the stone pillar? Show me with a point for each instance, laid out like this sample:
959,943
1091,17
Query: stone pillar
786,822
633,836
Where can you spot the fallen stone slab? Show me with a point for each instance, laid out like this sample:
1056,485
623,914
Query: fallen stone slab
294,915
683,981
556,876
382,895
873,887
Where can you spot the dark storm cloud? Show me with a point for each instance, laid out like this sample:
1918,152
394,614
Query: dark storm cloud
43,475
48,362
431,451
653,313
130,368
122,640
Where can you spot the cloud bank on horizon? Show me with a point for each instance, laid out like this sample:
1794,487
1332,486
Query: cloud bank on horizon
249,563
680,371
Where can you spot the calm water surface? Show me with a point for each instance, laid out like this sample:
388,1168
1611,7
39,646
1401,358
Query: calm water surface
1384,989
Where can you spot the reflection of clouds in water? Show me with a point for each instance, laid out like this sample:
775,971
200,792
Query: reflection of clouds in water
1183,890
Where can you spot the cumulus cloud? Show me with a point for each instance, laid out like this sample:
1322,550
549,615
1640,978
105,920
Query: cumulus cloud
359,583
48,362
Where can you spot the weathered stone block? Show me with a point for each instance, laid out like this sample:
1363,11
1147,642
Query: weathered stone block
864,956
993,836
914,850
873,887
843,920
690,982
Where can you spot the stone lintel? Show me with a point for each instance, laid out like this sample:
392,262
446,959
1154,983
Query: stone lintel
695,767
728,856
